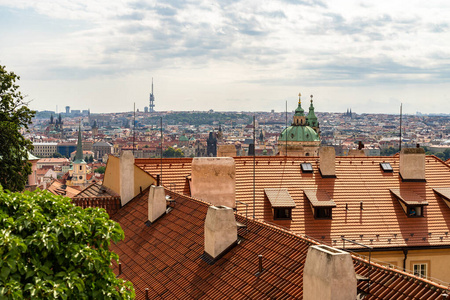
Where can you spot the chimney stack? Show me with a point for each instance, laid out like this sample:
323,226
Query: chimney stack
412,164
156,202
327,160
220,230
126,177
214,180
328,274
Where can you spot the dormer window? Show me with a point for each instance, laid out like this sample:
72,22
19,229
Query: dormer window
386,167
281,202
321,204
306,167
444,194
411,203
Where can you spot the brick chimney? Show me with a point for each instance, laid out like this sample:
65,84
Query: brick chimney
214,180
220,230
328,274
327,160
412,164
156,202
126,176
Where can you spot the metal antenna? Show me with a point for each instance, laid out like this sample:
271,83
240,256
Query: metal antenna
400,141
254,158
286,129
160,177
134,125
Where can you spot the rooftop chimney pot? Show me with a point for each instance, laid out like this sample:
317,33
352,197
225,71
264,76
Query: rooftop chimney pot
220,230
327,156
156,203
412,164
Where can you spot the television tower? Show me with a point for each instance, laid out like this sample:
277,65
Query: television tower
152,101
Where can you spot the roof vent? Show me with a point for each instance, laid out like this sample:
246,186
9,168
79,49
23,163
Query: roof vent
156,203
220,230
412,164
328,274
327,162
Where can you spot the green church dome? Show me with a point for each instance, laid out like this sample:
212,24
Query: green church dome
183,138
299,134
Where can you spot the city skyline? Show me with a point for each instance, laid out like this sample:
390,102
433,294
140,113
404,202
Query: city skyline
229,56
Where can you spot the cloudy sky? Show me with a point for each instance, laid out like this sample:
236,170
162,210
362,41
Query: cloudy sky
229,55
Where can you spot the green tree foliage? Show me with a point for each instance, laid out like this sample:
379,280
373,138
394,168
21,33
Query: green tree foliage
171,152
91,159
57,155
14,115
388,151
50,248
100,170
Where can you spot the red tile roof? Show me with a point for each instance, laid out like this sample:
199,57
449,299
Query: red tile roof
166,258
319,198
409,197
279,197
381,223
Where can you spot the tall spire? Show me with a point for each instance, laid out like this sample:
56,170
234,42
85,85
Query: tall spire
299,111
79,154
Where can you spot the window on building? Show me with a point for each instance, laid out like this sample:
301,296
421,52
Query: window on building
81,168
322,212
386,167
415,211
282,214
420,270
306,168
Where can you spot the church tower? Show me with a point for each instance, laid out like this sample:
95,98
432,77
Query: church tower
302,137
79,170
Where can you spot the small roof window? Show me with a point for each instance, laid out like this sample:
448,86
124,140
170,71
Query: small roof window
306,167
411,202
386,167
444,193
321,203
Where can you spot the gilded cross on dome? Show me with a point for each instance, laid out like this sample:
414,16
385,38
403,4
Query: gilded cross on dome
311,98
299,98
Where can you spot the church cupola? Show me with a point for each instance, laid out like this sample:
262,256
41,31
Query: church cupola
299,116
311,119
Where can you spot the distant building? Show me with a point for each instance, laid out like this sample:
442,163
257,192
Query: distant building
302,137
101,148
79,170
44,149
67,109
152,100
66,148
211,145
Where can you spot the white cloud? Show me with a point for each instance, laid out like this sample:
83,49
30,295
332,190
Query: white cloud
266,48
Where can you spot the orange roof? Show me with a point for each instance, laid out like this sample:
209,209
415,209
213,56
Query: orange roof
319,198
279,197
61,189
409,197
381,223
165,257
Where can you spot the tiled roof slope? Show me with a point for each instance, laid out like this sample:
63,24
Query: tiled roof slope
96,190
381,223
165,257
61,189
175,171
357,179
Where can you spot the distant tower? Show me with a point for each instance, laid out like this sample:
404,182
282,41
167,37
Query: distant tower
152,100
211,145
67,109
79,168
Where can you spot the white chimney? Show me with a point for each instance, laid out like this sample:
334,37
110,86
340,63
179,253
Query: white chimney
327,161
126,177
329,274
156,202
214,180
220,230
412,164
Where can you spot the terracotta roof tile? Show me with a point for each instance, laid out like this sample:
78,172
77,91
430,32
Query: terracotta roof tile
319,198
165,258
409,197
279,197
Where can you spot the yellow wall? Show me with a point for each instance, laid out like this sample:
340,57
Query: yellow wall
111,178
142,179
438,261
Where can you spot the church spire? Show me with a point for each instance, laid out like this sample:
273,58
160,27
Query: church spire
79,154
299,111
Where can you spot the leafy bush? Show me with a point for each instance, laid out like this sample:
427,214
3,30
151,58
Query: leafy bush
50,248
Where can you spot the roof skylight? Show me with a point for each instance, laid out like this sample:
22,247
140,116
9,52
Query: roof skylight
306,168
386,167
